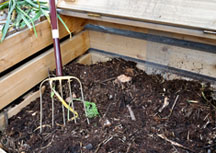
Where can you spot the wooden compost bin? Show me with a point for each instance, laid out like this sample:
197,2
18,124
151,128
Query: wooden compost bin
173,38
22,69
177,36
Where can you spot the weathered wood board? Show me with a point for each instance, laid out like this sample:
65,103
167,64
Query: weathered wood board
187,13
10,112
17,108
142,24
16,83
180,35
23,44
178,57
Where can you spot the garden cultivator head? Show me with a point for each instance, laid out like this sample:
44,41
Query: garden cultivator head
70,105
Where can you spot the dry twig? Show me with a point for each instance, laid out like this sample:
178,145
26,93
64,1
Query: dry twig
46,125
172,107
103,142
162,136
107,110
110,79
81,147
128,148
131,113
165,104
98,147
48,144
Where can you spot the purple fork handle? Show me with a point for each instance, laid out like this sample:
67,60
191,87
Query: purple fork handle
55,35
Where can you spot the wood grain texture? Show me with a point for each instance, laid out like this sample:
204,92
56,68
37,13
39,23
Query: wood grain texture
143,24
23,44
28,75
16,109
85,59
187,13
132,47
171,34
181,58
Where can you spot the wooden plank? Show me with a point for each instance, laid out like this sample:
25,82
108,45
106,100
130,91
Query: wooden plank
187,13
93,58
118,44
85,59
186,59
16,109
148,30
24,43
96,57
142,24
28,75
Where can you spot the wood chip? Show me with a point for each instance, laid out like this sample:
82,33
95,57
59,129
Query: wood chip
165,104
131,113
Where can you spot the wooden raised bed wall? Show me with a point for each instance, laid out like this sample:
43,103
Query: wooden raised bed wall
177,36
23,44
190,56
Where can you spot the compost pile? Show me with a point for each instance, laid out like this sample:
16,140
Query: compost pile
175,116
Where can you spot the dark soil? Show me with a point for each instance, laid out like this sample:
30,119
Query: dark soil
190,122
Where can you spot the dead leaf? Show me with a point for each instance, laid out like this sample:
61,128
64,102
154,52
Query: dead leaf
68,99
123,78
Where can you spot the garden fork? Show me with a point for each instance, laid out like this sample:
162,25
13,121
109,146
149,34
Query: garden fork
70,106
59,75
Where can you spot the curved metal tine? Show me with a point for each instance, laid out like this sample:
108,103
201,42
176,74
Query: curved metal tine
41,110
63,110
71,101
53,107
41,105
82,98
